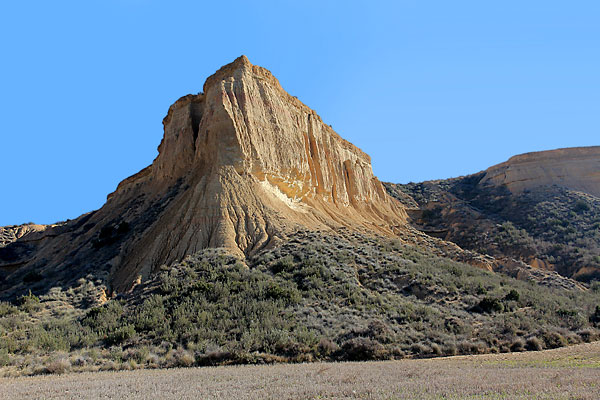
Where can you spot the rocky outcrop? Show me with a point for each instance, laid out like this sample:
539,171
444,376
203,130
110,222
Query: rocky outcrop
538,213
240,166
576,168
9,234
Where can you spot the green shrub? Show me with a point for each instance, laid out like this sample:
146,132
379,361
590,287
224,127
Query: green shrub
513,295
553,340
326,347
29,303
151,314
120,335
517,345
581,206
488,305
360,349
4,358
105,319
7,309
595,317
533,344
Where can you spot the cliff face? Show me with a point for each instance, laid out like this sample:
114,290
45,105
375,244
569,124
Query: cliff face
240,166
575,168
246,122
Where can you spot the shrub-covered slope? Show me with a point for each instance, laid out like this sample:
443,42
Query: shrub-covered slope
342,296
549,227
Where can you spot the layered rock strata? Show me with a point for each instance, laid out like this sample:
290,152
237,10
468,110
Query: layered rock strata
576,168
240,165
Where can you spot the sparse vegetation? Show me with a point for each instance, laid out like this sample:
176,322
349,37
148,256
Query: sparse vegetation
553,225
314,297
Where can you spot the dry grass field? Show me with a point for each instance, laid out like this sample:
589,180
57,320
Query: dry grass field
566,373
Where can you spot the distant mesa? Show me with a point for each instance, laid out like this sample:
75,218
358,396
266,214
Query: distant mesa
541,209
576,168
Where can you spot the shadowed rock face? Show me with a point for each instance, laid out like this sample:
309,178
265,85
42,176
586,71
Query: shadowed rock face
575,168
9,234
240,166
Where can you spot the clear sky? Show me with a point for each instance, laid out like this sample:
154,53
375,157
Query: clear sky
430,89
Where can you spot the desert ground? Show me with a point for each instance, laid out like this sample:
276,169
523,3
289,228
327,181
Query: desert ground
566,373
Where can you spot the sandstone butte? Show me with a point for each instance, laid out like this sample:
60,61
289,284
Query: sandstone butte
576,168
240,166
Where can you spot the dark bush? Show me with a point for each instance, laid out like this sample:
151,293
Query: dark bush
595,317
110,234
553,340
215,358
588,335
120,335
533,344
513,295
488,305
105,319
284,264
7,309
566,313
362,349
581,206
517,345
326,347
430,216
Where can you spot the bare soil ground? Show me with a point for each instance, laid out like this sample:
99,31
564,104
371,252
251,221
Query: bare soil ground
566,373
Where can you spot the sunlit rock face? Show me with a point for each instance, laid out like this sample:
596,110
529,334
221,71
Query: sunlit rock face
240,166
576,168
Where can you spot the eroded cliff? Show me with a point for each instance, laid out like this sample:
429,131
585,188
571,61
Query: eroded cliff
240,166
576,168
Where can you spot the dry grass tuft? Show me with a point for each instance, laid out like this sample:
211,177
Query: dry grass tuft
58,366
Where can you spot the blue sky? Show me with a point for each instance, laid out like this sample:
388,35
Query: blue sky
430,89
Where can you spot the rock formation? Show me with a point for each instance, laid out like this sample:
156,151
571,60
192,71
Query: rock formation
9,234
536,213
240,166
575,168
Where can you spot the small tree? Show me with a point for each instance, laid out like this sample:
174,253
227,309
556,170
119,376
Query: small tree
595,317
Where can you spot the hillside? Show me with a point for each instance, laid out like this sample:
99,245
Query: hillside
540,208
240,166
342,296
259,235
